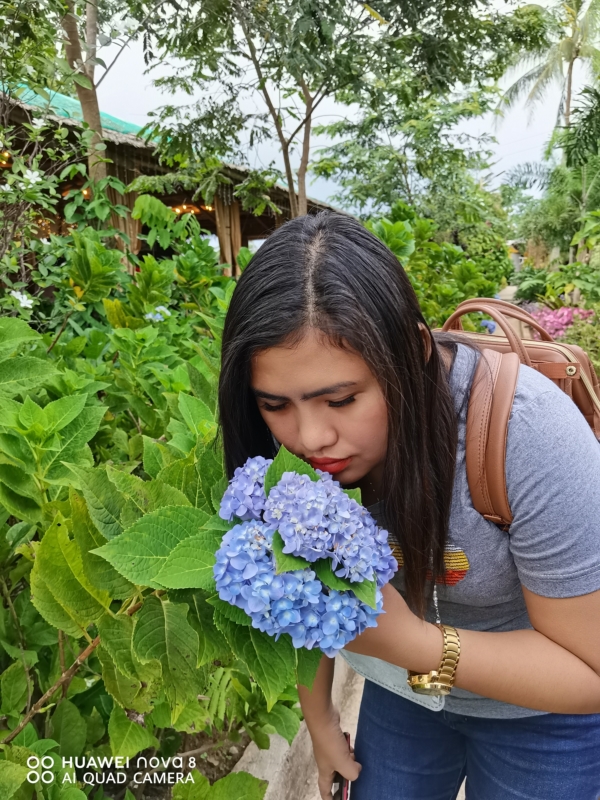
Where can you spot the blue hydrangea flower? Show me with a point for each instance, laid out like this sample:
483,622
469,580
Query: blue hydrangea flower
245,496
317,519
295,603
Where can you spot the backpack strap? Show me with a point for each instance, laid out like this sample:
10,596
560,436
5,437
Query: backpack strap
490,404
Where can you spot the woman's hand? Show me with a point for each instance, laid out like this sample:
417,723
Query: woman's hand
331,752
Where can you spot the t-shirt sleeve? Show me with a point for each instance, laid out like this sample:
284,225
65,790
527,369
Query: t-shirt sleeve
553,484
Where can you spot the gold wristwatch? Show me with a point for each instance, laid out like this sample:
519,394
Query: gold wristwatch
441,680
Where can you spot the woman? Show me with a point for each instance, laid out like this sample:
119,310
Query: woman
325,350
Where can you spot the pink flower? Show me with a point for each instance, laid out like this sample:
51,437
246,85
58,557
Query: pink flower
557,320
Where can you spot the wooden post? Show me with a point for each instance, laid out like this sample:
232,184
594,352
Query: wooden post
236,234
223,219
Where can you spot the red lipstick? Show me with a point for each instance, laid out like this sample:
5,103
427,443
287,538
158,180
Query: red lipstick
331,465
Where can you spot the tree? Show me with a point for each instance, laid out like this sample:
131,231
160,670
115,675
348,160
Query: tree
572,35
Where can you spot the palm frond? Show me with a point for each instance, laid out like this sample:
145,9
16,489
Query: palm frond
522,85
530,175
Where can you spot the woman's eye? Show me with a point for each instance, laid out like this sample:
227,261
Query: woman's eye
340,403
267,407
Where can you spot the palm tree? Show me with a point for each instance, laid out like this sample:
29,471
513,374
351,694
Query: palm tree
573,33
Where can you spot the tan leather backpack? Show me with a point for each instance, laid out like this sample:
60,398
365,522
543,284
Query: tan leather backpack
493,392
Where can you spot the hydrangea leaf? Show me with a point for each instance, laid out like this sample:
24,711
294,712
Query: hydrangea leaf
61,568
285,721
238,786
127,738
61,412
366,592
97,570
18,375
104,502
73,447
12,776
140,553
13,333
217,491
285,562
210,467
13,685
116,634
211,642
285,461
272,664
307,664
126,691
183,475
152,457
235,614
197,415
190,564
51,610
355,494
198,790
162,633
68,728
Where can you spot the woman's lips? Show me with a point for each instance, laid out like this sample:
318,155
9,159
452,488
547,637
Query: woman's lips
331,465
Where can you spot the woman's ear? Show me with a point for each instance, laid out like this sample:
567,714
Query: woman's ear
426,337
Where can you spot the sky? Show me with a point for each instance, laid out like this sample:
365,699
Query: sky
127,92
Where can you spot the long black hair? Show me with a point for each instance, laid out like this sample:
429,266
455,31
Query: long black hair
328,272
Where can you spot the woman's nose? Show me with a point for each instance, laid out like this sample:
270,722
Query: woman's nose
315,435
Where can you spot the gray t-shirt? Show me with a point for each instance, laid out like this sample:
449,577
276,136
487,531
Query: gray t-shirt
553,546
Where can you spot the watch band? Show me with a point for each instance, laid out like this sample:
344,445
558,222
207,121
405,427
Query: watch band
440,681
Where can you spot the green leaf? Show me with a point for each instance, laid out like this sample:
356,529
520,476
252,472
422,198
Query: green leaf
13,333
183,475
60,565
272,664
285,461
13,685
12,776
283,719
198,790
212,644
235,614
210,467
18,375
197,415
51,610
201,387
217,491
103,500
286,562
116,635
63,411
28,657
190,564
22,507
355,494
153,460
95,727
97,570
140,553
126,692
238,786
365,591
73,445
68,728
82,80
127,738
307,664
162,633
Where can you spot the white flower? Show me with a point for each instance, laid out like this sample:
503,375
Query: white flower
32,176
43,240
5,187
22,299
153,316
38,123
163,310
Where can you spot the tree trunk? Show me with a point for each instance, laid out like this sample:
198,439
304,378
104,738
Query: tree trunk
87,97
569,91
91,37
302,201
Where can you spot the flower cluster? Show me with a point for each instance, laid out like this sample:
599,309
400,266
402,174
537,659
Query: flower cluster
245,496
158,315
295,602
557,320
317,519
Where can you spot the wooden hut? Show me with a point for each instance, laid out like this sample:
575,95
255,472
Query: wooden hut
131,157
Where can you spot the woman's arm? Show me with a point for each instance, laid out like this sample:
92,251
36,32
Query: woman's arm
323,723
554,668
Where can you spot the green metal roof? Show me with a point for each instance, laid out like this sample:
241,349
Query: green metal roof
63,106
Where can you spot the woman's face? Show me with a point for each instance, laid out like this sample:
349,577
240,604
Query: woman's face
324,404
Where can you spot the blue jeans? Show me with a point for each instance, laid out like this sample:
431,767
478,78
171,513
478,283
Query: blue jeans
409,752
